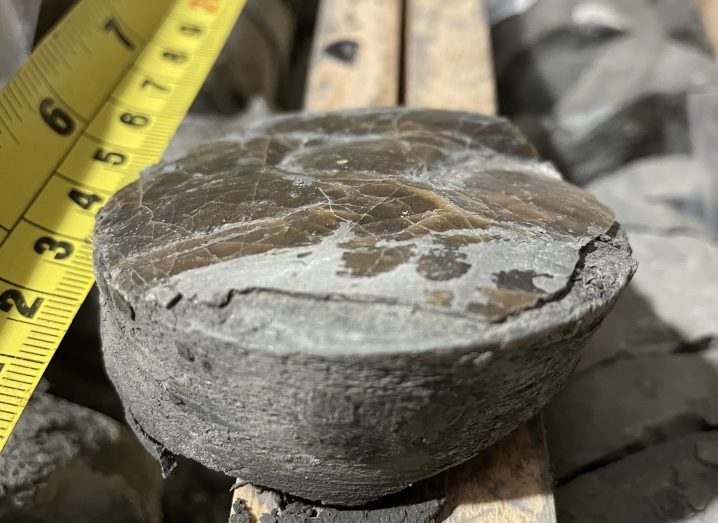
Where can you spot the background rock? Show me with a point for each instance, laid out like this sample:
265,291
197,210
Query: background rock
254,60
673,299
676,481
628,404
67,463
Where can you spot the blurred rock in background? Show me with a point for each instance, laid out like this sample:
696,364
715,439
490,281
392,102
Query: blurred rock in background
68,463
648,379
598,83
18,20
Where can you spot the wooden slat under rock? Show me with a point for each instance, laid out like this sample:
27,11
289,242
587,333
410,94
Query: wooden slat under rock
355,63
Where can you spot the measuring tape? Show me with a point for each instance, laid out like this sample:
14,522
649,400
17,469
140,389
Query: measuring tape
98,100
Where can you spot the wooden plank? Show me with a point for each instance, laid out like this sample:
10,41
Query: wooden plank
708,10
355,55
448,61
508,482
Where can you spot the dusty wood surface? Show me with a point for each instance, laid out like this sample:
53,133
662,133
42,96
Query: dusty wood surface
355,55
448,65
709,13
448,61
508,482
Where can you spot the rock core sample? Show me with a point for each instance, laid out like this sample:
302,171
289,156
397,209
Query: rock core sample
338,305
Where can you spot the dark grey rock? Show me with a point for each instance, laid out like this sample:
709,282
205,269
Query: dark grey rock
630,103
615,408
339,305
676,481
196,494
632,327
541,53
681,21
77,371
66,463
254,60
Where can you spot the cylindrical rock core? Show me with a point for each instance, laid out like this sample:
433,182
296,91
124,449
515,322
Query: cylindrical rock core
338,305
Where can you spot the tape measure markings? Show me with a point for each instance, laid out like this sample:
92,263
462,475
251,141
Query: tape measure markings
98,132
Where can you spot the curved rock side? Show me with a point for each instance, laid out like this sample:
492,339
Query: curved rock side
336,306
272,402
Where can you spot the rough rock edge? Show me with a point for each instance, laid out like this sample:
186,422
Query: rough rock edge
616,244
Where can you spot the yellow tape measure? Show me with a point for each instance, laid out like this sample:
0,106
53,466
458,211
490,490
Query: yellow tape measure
97,101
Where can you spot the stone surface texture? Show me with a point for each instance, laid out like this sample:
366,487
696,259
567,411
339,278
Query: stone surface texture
598,83
676,481
615,408
67,463
338,305
657,200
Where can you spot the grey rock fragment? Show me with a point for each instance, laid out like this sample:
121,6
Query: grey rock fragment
541,53
339,305
657,201
67,463
681,21
630,103
297,512
659,194
624,405
676,481
18,19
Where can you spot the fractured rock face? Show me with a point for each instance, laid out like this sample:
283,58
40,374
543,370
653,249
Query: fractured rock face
675,481
338,305
67,463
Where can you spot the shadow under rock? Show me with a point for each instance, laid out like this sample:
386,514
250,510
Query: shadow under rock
77,370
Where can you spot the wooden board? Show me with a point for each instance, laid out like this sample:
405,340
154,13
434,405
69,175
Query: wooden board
508,482
448,65
709,13
448,61
355,55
